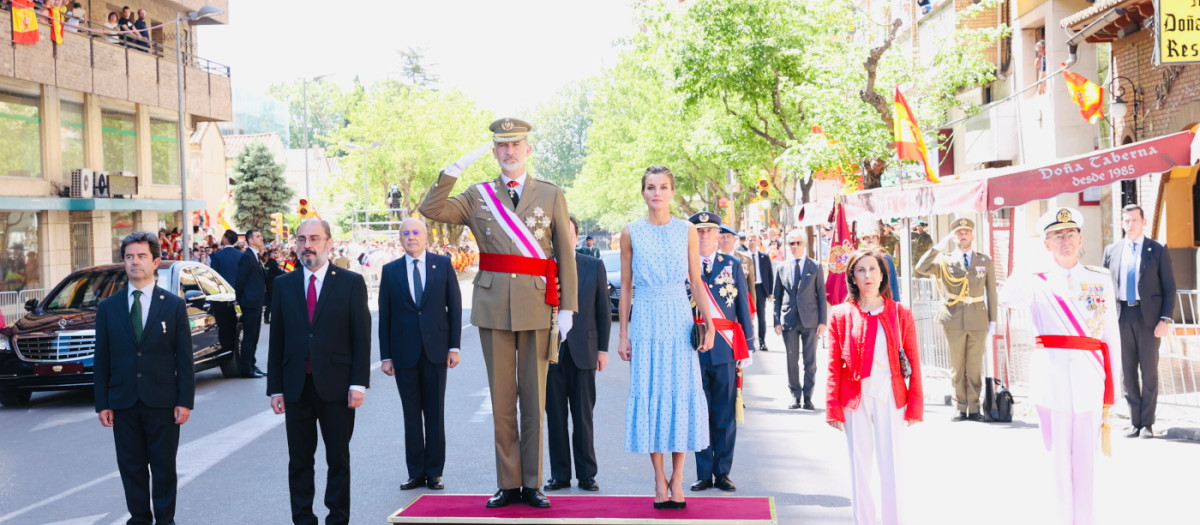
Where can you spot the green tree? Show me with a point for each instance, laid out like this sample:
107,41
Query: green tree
259,188
327,108
414,67
560,134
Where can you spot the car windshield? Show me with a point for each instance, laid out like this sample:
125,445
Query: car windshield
87,289
612,261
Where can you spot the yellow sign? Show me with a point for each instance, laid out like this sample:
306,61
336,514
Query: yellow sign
1178,35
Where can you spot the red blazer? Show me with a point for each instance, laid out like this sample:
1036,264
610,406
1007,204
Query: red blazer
847,358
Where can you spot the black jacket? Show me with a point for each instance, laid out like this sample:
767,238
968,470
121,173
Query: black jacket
590,326
158,370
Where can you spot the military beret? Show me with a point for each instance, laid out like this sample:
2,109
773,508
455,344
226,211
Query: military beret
921,222
962,223
1060,219
706,219
510,130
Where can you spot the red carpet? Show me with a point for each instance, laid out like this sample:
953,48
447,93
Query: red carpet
460,508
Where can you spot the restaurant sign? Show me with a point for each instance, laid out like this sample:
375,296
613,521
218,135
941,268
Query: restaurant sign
1178,35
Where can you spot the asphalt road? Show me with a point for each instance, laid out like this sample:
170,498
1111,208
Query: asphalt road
57,464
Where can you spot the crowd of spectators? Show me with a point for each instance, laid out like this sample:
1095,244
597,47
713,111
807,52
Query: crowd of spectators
126,28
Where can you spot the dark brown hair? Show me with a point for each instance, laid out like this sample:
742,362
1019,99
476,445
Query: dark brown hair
885,284
658,170
1133,207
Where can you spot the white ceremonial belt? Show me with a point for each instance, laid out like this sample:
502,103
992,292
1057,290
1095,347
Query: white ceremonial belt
966,300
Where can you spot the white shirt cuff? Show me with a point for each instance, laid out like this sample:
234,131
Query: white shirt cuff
385,360
273,395
359,388
453,349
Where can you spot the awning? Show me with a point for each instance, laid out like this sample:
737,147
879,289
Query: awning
908,200
1097,168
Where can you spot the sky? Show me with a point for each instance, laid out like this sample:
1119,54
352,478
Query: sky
507,55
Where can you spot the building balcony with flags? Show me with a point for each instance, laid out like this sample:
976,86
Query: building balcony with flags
91,148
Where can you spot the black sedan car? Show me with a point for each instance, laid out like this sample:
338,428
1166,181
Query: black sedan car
612,265
52,347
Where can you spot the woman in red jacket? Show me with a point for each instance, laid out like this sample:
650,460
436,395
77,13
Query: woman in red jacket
874,382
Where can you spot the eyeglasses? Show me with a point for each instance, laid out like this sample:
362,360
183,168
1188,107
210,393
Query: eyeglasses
796,243
411,233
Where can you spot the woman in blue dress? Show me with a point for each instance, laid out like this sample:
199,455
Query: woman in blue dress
667,410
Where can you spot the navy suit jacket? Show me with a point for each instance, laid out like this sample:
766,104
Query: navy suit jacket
1155,281
800,305
159,369
337,341
225,261
737,310
406,329
251,281
590,326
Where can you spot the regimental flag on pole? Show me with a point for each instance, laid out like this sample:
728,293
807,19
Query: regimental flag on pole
1086,94
840,248
57,15
24,20
909,143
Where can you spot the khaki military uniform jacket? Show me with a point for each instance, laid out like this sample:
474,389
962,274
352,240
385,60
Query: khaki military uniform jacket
749,268
504,301
977,307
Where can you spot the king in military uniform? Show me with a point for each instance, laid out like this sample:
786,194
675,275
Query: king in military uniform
526,286
729,304
967,284
1077,356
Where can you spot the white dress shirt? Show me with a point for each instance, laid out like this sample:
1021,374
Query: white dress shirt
879,384
969,254
757,273
520,183
706,261
320,273
422,264
145,300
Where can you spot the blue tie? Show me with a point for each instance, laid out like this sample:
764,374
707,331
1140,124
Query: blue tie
1131,275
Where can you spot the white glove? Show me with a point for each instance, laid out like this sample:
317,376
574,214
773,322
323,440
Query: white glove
991,328
745,363
460,165
565,318
949,243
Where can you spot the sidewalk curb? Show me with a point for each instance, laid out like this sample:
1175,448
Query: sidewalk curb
1184,433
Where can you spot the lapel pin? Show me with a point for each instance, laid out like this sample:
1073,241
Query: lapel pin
164,327
331,272
434,266
161,297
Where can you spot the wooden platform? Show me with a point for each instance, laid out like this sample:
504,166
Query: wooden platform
470,508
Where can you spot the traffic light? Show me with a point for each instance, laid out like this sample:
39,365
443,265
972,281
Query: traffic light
302,210
277,225
764,188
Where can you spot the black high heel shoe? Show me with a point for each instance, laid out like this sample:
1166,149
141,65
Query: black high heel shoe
660,505
677,505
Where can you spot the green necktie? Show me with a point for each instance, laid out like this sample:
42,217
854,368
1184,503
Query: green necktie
135,315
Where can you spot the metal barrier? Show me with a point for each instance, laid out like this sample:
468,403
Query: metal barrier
12,304
931,339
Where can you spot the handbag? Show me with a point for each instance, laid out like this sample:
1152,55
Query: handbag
697,335
905,366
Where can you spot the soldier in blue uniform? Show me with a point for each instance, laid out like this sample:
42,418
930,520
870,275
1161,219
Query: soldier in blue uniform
728,292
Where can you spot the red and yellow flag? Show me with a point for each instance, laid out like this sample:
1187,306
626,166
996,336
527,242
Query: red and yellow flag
57,15
1086,94
24,20
840,248
909,143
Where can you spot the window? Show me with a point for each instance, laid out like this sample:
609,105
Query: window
21,127
122,225
164,151
187,282
20,268
72,137
211,282
119,141
81,240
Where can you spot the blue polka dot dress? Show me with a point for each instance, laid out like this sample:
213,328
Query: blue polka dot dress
666,410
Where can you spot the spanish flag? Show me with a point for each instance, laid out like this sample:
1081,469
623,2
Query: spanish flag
909,143
24,20
57,16
1086,94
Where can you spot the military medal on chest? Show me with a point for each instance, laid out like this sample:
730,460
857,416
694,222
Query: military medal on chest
727,288
539,222
1092,295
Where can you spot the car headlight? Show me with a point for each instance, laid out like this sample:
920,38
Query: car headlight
5,344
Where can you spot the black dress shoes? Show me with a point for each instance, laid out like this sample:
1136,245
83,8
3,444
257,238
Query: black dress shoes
702,484
725,484
1147,432
959,416
412,483
975,417
256,373
535,498
589,484
434,483
796,404
556,484
503,497
808,404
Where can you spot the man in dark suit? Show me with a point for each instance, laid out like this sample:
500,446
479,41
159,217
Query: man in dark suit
420,327
764,279
571,383
730,306
226,260
318,369
251,289
1141,269
800,315
144,385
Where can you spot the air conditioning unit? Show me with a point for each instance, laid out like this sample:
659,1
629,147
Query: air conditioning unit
82,180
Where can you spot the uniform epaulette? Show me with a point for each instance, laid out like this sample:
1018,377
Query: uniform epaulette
1097,269
539,179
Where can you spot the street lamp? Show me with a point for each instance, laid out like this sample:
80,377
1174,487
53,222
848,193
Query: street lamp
199,18
363,149
304,95
1119,108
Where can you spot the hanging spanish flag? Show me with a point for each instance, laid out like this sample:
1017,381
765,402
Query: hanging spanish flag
24,20
57,15
909,143
1086,94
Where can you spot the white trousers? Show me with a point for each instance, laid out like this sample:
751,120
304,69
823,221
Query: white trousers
874,429
1072,439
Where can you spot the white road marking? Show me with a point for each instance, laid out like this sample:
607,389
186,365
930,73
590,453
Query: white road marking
194,458
484,412
87,520
66,419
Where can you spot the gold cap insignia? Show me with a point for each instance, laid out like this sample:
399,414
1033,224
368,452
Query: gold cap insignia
1064,215
703,217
